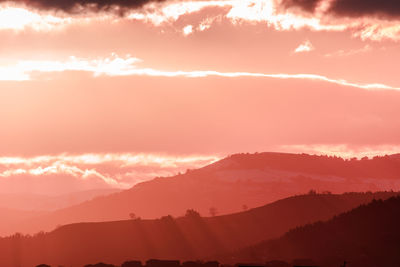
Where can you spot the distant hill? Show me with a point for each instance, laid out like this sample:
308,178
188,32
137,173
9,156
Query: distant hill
367,236
33,202
188,237
9,218
229,185
18,208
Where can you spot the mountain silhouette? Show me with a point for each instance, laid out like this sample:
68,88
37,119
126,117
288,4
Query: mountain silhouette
230,185
190,237
366,236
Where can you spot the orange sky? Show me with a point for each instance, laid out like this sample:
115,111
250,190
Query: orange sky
193,80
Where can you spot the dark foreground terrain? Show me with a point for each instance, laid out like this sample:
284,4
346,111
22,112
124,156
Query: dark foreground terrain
368,234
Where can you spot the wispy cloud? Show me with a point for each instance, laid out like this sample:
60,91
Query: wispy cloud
351,52
187,30
114,170
112,66
78,6
126,66
304,47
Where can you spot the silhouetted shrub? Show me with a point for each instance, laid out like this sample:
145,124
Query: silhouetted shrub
211,264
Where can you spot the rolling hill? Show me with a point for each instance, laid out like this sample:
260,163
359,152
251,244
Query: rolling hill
367,236
188,237
230,185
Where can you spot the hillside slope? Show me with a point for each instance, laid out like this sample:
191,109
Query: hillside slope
228,185
189,237
367,236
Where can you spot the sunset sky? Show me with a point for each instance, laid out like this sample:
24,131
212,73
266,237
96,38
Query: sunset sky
97,93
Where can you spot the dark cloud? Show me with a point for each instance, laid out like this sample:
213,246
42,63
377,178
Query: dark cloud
350,8
307,5
70,5
359,8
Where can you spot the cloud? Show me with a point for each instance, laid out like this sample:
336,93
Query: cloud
306,46
18,18
112,66
94,170
370,23
206,23
308,5
74,6
120,66
187,30
351,52
281,15
362,8
348,8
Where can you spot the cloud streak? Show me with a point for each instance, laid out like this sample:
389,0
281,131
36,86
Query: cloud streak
107,170
119,66
74,6
345,53
304,47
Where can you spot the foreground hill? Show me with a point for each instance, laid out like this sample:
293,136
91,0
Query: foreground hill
242,180
365,237
188,237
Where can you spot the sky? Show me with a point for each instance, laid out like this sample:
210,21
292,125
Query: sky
97,94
